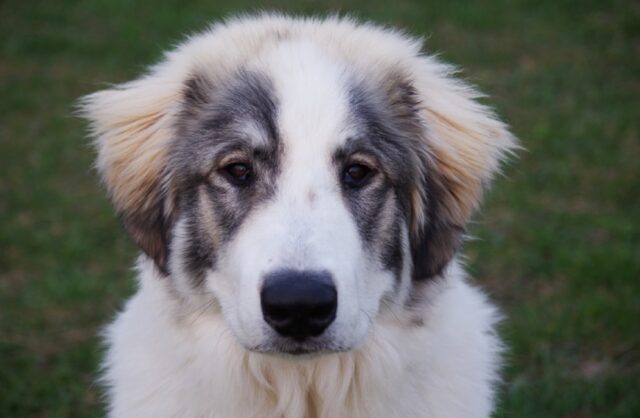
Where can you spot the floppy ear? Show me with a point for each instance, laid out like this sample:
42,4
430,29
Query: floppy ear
463,143
131,125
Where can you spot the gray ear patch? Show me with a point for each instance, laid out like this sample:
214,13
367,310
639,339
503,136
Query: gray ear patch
439,239
149,228
433,246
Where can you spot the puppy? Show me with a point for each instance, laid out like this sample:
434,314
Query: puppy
299,190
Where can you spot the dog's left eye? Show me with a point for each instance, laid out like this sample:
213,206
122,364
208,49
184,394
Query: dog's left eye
239,173
355,175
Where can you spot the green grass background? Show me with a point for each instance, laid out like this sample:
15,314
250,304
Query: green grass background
558,240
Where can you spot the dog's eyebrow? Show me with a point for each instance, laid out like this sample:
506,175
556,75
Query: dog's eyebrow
355,145
388,151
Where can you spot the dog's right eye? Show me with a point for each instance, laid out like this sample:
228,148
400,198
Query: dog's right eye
356,175
238,173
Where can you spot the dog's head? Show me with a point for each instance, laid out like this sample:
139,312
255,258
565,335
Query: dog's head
307,175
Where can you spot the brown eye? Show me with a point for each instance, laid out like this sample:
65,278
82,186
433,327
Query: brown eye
239,173
356,175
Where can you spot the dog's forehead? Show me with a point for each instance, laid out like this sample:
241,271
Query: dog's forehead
312,91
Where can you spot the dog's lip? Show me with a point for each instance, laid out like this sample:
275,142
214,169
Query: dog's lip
297,349
301,351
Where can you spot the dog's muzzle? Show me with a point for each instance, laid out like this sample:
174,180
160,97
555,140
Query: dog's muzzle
299,304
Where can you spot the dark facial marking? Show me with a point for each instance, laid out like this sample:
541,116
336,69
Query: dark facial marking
382,136
200,253
389,129
311,197
214,196
391,252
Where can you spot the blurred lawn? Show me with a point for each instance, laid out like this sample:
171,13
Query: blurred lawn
558,241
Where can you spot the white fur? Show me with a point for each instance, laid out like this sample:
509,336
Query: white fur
162,364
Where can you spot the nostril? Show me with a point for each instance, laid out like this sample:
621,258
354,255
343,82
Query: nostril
277,312
322,311
299,304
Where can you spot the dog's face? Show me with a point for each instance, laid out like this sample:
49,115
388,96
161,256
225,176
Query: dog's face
306,195
294,187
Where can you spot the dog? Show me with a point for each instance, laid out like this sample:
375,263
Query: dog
299,190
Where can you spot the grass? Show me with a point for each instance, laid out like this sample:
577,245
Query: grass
558,240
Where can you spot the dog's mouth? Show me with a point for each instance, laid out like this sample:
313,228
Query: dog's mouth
283,346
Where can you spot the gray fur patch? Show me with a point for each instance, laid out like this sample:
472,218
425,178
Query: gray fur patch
382,206
236,119
391,132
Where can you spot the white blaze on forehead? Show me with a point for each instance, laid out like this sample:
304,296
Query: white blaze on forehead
312,105
308,214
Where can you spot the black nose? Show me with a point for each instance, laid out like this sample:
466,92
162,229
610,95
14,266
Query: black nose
299,304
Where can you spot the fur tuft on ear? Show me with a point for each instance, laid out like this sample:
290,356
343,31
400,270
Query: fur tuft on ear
464,143
131,125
